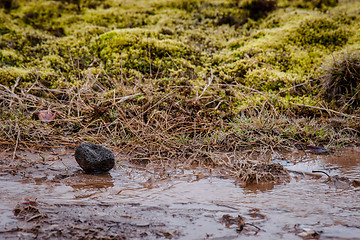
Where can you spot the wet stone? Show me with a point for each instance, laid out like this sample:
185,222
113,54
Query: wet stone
94,158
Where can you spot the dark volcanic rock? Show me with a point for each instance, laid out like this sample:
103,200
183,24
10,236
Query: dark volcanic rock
94,158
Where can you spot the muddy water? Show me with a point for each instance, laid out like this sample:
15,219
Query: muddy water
188,204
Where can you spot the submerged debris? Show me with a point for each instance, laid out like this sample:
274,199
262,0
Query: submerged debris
307,232
312,149
316,149
229,220
336,179
28,211
238,221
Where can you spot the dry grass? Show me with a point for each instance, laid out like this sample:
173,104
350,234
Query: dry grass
162,127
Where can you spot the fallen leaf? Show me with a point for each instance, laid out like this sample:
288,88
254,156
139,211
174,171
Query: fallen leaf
46,116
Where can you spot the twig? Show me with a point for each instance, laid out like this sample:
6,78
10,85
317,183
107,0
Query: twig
122,67
323,173
158,70
251,224
172,60
59,154
35,217
150,59
122,99
303,149
17,141
293,87
210,79
15,85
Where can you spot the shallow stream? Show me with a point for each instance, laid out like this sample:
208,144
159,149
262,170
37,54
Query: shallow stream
189,205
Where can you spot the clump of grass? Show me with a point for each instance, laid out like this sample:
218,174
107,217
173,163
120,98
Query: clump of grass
259,172
341,81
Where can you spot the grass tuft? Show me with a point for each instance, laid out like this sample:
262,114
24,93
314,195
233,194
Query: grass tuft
340,81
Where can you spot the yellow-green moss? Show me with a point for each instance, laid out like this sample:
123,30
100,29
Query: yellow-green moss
266,79
10,57
9,75
322,31
143,50
63,42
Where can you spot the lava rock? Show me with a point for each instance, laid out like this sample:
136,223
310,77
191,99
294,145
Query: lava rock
94,158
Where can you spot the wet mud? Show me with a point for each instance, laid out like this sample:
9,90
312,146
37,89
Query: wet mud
47,196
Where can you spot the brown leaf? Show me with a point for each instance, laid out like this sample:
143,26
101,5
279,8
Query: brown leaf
46,116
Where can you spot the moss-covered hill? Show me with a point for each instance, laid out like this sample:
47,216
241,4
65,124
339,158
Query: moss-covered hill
226,73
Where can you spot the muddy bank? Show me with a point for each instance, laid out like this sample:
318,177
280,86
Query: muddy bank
49,197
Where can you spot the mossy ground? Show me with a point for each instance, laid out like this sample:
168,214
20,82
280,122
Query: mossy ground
175,78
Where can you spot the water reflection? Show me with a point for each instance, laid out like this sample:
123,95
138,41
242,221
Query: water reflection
85,181
256,188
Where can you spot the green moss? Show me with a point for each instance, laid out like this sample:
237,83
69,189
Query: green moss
10,57
266,79
142,50
41,14
320,31
177,40
116,18
23,40
4,23
9,75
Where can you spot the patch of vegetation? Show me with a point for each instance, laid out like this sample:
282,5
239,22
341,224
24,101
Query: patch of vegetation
140,51
8,75
320,31
154,76
340,81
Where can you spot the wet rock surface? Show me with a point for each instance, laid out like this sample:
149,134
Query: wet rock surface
94,158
